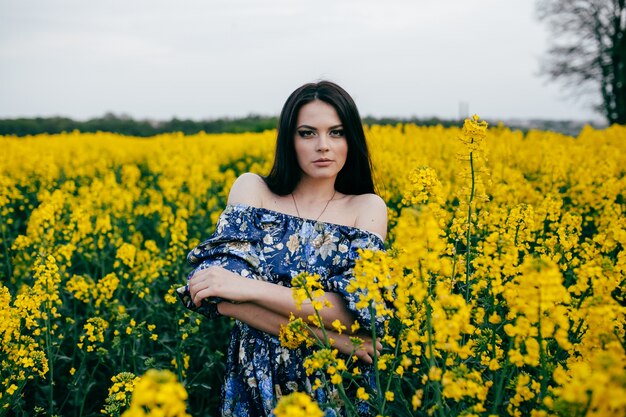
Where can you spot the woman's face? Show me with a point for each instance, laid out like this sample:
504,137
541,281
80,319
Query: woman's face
321,146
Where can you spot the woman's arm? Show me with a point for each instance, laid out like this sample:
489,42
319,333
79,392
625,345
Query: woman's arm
219,282
269,322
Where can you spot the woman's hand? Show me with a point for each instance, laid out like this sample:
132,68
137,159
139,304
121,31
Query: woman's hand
364,352
216,281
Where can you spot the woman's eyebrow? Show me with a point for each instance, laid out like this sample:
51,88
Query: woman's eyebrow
314,128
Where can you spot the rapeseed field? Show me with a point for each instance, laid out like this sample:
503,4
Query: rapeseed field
503,280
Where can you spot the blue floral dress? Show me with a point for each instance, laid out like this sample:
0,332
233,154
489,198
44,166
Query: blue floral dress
263,244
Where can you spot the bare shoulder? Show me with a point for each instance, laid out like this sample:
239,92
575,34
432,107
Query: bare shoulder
248,189
371,213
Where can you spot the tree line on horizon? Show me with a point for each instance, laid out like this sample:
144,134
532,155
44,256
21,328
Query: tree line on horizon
126,125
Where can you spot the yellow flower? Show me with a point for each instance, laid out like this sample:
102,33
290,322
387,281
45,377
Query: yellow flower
338,326
416,399
474,132
297,404
159,393
355,327
361,394
126,253
494,318
434,374
317,384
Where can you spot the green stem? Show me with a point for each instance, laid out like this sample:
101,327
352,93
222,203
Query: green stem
134,352
431,355
179,358
621,340
375,360
500,388
326,385
542,357
319,318
7,259
497,375
319,341
88,387
395,355
49,354
456,251
73,392
351,408
469,229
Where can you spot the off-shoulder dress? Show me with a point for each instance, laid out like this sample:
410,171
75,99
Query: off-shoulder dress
263,244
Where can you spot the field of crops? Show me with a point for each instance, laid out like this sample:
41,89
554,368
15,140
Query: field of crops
504,272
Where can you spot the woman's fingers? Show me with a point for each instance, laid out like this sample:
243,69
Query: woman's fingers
199,287
201,295
364,351
364,356
345,346
369,346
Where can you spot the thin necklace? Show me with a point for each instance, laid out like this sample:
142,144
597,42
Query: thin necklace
325,207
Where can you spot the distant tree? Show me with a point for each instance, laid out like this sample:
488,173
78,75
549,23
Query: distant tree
589,49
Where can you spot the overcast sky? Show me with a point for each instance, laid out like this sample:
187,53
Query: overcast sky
211,58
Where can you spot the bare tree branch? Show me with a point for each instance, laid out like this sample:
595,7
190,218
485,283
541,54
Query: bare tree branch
588,47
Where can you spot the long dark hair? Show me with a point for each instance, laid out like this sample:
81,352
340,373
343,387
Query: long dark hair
356,175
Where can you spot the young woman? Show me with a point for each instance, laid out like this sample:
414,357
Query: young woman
310,214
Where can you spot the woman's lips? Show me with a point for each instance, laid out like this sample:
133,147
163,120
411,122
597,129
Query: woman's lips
322,162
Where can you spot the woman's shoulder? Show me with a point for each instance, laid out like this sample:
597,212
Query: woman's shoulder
248,189
371,212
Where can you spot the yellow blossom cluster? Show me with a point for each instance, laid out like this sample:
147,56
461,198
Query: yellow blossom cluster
27,328
93,336
373,281
297,404
120,393
537,303
424,186
461,383
307,287
295,333
328,361
157,394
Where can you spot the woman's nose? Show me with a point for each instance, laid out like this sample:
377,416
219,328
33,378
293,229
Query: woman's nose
322,143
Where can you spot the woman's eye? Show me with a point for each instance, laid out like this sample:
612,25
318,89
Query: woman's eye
337,132
305,133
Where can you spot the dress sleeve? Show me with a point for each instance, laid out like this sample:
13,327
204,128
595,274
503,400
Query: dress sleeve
233,246
339,283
